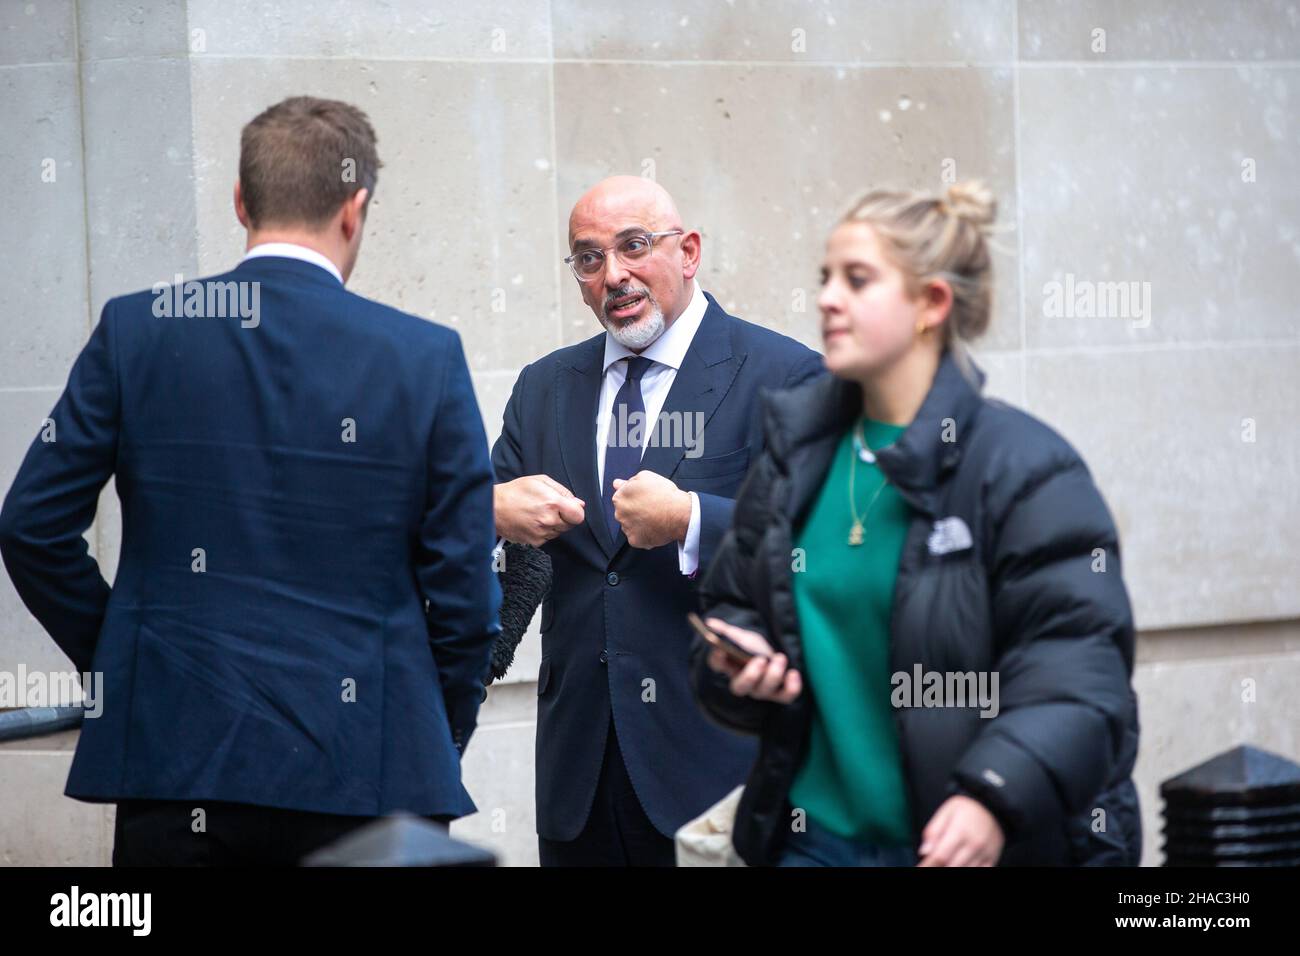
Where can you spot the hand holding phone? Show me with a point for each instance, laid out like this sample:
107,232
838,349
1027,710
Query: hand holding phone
754,668
728,645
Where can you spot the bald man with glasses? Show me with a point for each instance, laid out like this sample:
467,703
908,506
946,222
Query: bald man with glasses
620,457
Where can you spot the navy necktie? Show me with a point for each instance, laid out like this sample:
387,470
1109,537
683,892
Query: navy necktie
622,457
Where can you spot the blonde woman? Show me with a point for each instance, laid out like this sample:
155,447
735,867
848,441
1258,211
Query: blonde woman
931,583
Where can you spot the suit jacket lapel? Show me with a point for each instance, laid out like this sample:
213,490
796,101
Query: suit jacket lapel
701,384
577,395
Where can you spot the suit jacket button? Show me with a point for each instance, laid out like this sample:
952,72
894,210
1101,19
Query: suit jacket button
612,578
604,657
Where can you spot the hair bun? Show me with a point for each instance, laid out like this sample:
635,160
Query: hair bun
972,201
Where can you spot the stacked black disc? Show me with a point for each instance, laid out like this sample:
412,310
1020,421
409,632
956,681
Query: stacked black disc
1241,808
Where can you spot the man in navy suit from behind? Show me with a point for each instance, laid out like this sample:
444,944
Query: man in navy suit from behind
302,617
621,457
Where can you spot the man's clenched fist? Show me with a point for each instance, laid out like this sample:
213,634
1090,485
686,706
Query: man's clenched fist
534,509
651,509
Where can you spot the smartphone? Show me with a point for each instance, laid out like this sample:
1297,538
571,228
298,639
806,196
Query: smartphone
723,643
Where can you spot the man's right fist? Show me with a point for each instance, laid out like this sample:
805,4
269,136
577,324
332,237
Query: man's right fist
534,509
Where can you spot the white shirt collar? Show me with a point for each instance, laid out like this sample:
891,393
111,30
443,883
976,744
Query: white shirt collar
671,346
291,250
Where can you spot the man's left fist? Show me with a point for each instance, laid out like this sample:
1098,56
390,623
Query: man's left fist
651,509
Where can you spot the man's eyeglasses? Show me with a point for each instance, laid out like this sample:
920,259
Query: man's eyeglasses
589,263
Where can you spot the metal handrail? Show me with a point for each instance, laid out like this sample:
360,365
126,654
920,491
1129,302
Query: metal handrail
39,721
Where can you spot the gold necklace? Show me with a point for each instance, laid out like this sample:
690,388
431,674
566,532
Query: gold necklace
857,532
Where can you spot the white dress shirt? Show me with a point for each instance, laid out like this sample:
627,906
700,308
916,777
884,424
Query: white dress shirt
291,250
667,353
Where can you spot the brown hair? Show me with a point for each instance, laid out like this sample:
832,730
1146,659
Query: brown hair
301,158
931,238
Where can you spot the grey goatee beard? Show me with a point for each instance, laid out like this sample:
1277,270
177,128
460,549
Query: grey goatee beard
637,335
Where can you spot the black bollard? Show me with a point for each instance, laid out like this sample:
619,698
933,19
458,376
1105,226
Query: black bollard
1241,808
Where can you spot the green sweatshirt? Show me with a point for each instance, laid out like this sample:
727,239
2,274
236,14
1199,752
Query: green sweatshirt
851,781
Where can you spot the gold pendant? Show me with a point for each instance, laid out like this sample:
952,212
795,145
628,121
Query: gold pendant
855,533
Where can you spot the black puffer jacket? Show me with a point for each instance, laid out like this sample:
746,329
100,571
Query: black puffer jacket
1011,565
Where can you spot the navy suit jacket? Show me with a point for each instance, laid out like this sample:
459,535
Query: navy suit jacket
614,630
290,662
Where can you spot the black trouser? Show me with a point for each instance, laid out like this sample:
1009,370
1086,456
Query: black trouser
167,833
617,832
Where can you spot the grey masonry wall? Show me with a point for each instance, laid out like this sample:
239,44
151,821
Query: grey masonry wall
1149,142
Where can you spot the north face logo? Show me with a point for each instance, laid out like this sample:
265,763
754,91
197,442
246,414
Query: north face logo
949,535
